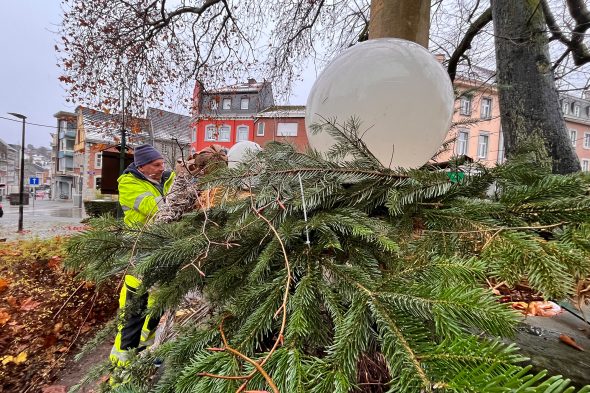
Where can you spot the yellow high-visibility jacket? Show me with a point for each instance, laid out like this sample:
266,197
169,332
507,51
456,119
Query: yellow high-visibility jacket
139,197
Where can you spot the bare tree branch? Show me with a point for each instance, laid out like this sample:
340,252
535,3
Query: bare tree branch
157,48
575,45
465,43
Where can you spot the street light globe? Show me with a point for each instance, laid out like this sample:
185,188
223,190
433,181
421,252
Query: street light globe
402,96
240,152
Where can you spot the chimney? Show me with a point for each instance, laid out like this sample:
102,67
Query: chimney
197,98
251,81
440,57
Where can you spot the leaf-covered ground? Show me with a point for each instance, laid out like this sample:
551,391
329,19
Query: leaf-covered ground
46,314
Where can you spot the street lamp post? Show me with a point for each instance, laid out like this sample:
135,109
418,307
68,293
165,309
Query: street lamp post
22,173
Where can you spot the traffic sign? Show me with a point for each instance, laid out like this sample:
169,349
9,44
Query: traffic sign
456,177
34,181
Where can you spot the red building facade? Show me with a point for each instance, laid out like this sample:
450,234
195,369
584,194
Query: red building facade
281,124
226,116
223,131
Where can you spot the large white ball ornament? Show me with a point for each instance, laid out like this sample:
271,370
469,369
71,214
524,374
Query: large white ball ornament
241,151
402,96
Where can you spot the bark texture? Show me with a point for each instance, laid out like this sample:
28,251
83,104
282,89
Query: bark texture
407,19
529,102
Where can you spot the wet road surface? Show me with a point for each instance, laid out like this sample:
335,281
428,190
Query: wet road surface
45,219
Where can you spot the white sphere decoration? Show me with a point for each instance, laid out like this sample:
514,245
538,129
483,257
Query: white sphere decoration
240,152
402,96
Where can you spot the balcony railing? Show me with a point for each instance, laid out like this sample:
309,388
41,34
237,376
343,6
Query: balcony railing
67,134
65,153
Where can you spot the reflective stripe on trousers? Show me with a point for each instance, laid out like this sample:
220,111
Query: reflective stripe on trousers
135,329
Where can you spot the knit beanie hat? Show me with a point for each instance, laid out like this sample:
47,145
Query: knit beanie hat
145,154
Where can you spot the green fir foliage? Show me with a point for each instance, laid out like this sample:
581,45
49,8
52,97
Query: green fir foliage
393,274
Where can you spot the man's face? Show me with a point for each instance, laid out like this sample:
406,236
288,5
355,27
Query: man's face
153,170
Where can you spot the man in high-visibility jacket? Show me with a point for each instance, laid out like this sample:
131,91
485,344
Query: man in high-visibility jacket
142,186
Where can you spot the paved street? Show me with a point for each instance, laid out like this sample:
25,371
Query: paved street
46,218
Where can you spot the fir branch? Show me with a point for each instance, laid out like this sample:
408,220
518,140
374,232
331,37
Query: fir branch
499,229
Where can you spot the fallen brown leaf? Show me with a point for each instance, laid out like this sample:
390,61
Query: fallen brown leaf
29,304
12,301
4,317
54,262
537,308
570,341
3,284
57,327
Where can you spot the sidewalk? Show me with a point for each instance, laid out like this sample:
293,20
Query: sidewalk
45,219
538,338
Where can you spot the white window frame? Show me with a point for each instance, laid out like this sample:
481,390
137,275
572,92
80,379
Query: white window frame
224,133
573,137
501,149
565,108
459,143
585,165
486,108
211,133
260,129
242,126
226,104
213,104
587,140
244,103
288,132
98,160
466,101
576,110
62,163
483,153
95,182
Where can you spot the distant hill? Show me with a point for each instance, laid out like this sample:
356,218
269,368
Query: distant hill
43,151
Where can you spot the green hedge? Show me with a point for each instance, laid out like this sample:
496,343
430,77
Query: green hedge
99,208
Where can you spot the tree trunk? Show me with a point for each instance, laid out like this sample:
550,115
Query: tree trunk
407,19
529,102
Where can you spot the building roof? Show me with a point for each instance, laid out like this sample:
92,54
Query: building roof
583,103
225,116
252,86
64,114
283,111
476,73
101,127
3,142
167,126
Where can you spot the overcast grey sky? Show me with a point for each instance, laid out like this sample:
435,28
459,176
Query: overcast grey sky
28,70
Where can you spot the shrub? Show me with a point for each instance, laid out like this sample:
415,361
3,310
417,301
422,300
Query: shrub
98,208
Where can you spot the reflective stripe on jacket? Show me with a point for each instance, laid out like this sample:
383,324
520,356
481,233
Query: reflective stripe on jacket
139,197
